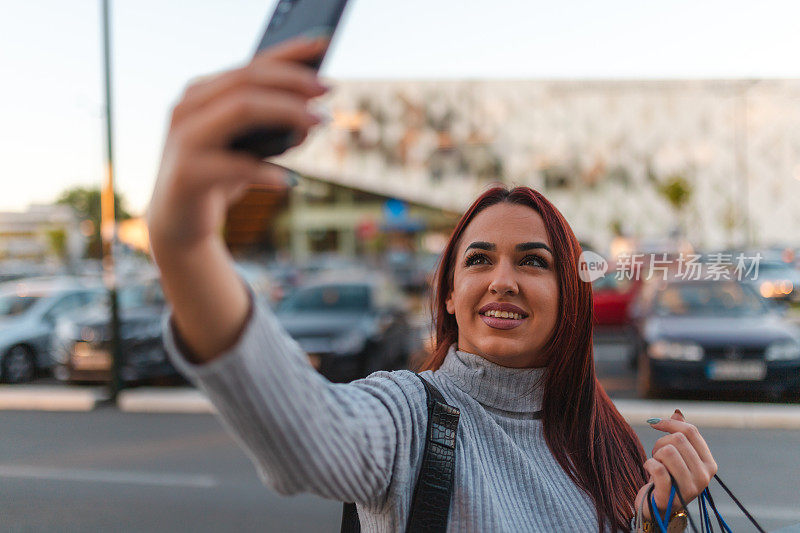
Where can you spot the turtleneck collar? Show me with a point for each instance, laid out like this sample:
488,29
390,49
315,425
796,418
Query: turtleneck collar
517,390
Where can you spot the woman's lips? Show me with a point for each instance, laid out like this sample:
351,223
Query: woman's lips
501,323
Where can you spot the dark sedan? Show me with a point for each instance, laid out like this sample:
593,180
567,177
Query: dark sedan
713,336
82,346
349,325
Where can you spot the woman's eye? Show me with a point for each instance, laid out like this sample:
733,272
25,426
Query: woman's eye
474,259
535,260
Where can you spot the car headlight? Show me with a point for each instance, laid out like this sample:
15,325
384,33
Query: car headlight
676,351
783,351
776,288
351,342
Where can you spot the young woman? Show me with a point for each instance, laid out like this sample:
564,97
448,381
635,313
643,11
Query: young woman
540,447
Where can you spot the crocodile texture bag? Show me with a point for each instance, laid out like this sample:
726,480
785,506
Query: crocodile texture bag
430,505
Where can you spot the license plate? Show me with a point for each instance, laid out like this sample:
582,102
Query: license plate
87,358
737,370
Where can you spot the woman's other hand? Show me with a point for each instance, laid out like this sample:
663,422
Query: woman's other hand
684,454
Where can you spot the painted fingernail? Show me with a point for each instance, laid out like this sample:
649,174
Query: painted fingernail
316,118
653,420
291,178
322,113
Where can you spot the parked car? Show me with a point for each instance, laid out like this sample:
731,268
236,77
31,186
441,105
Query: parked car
285,277
412,272
28,312
612,298
350,324
82,344
258,278
705,335
778,280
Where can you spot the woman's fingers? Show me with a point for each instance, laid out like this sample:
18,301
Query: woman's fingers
231,172
291,77
694,437
670,463
300,49
216,124
672,459
690,456
659,476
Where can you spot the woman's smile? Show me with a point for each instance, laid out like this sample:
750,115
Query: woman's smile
499,315
501,322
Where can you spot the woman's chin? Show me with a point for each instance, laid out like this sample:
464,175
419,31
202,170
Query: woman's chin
505,352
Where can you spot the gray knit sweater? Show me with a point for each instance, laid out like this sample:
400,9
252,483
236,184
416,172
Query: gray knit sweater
363,441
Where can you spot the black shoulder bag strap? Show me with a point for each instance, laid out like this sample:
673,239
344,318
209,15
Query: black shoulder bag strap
430,504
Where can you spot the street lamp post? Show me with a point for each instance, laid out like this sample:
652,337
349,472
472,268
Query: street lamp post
108,224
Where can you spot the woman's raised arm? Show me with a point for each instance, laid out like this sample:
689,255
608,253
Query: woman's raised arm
199,178
303,433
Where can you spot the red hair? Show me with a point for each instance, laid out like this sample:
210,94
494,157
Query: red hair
588,437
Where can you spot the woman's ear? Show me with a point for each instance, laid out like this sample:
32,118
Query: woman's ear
451,307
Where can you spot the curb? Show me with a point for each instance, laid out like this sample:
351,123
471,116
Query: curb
184,400
733,415
162,400
50,398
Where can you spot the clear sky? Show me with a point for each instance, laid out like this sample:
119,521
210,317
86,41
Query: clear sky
51,123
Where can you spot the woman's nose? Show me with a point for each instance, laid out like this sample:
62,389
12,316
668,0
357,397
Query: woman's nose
503,281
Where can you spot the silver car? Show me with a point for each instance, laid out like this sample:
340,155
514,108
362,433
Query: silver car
28,312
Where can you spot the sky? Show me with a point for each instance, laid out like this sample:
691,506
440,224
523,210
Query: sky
51,98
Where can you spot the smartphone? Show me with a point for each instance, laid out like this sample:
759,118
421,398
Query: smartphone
291,18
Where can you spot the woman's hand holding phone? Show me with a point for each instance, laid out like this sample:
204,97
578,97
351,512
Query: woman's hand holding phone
200,177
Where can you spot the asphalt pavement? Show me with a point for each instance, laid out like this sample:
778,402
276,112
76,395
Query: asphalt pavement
106,470
70,462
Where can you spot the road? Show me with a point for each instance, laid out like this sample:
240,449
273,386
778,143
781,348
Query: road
105,470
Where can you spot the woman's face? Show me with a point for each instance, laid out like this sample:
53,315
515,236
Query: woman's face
504,257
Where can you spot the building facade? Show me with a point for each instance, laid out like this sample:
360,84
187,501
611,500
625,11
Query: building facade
41,232
715,160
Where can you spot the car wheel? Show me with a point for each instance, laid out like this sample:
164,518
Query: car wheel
644,379
19,364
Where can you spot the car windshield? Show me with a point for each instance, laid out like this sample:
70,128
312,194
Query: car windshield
708,299
12,305
327,298
775,268
141,296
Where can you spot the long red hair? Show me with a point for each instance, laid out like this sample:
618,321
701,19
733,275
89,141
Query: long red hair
588,437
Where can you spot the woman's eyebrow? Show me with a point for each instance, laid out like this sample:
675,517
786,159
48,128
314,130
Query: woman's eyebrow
483,245
532,246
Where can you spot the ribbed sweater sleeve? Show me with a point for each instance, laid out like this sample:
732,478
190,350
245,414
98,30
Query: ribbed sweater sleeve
303,433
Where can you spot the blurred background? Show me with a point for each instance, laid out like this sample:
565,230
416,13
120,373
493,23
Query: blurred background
667,134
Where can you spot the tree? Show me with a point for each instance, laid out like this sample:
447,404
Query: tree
86,203
57,241
677,191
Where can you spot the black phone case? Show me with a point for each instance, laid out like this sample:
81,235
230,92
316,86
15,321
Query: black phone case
291,18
